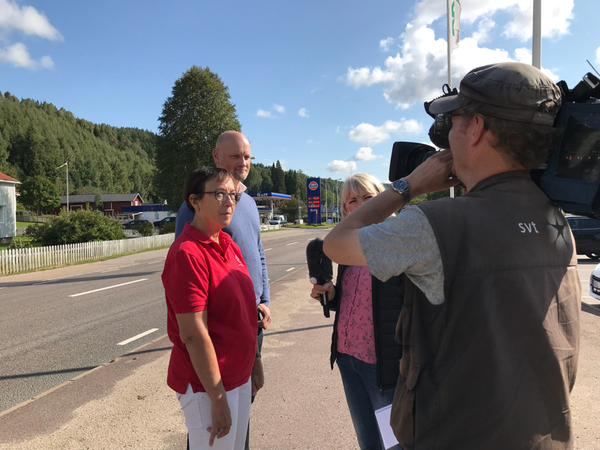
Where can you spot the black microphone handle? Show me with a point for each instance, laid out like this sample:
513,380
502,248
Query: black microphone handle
325,305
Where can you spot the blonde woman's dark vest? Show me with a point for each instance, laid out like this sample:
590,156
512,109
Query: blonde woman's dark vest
492,367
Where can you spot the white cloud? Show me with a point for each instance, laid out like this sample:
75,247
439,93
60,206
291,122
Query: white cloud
384,44
26,19
418,71
303,112
338,130
485,25
18,55
337,166
280,109
556,15
365,154
371,135
263,113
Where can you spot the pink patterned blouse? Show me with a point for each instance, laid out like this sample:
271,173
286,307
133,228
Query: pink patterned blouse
355,321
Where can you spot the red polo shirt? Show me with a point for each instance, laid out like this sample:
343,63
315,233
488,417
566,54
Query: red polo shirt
201,275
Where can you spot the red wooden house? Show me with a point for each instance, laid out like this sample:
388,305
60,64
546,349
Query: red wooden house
112,202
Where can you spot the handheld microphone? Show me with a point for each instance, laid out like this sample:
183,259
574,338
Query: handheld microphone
320,268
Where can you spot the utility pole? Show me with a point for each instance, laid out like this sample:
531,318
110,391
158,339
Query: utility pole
536,41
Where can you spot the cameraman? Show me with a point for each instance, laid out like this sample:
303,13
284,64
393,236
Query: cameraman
490,323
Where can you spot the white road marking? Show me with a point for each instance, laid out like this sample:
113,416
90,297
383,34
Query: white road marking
292,268
267,249
292,243
141,335
108,287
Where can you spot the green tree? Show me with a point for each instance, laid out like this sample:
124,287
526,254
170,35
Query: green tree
145,229
167,228
196,113
289,208
27,151
72,227
278,177
40,194
291,178
36,138
254,179
92,190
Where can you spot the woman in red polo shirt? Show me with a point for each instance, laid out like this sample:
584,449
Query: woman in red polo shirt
211,317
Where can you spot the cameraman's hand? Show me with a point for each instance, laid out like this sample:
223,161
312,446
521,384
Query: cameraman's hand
432,175
319,289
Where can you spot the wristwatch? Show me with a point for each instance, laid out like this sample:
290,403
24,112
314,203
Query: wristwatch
402,188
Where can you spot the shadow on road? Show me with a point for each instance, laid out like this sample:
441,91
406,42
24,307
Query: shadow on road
298,329
587,262
77,369
42,374
141,352
590,309
79,279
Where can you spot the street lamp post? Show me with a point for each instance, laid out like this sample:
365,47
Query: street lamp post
339,200
325,202
66,164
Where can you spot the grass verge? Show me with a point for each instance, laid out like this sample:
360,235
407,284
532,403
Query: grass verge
26,224
22,238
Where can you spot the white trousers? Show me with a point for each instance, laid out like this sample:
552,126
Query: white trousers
196,409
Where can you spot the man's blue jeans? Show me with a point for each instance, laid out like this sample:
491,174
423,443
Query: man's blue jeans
364,397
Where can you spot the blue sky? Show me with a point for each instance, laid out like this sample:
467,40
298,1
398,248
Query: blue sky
323,86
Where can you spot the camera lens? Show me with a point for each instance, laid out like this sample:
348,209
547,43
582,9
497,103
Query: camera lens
406,156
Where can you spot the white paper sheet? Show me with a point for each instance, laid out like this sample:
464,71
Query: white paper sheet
383,421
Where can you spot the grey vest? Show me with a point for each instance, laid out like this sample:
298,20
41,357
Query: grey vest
493,366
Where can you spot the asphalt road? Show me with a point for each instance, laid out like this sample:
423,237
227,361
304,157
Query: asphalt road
128,405
54,329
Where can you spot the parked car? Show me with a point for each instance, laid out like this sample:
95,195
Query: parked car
129,225
160,223
277,220
587,235
595,283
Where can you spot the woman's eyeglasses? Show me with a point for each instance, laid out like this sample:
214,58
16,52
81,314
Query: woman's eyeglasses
220,195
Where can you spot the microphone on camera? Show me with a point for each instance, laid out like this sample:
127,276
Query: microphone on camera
320,268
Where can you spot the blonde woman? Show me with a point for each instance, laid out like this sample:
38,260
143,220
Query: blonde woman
364,328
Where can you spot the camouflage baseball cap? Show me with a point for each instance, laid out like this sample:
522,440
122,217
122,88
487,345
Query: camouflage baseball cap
510,91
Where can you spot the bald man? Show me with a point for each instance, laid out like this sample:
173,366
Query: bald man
232,153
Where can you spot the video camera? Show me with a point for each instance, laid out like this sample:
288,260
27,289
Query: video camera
570,176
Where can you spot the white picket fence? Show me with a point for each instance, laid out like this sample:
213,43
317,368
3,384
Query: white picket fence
21,260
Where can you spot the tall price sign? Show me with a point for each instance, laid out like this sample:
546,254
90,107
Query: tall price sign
313,190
